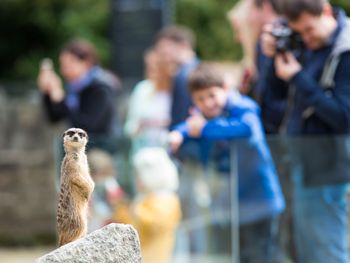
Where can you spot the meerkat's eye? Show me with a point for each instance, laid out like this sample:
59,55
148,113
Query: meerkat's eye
81,134
70,133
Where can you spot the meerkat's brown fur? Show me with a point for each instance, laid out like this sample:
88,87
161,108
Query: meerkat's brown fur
76,188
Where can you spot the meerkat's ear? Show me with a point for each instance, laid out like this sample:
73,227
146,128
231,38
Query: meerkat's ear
87,136
64,134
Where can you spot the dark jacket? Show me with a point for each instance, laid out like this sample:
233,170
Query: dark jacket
272,101
331,111
181,98
319,108
96,111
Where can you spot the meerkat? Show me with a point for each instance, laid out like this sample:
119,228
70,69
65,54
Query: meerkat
76,188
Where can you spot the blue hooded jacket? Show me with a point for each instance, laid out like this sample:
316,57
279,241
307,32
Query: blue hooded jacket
260,194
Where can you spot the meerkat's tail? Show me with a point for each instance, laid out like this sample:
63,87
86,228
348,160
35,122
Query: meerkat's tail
70,237
62,241
65,239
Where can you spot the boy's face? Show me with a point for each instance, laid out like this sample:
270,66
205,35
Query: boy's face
210,101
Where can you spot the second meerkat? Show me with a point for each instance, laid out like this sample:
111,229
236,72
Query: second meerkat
76,188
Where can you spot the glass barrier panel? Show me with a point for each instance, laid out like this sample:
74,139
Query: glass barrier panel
269,191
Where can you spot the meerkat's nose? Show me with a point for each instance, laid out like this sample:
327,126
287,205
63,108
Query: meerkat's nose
75,138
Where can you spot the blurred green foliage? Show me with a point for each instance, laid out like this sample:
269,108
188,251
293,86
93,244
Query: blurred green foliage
33,29
342,3
208,19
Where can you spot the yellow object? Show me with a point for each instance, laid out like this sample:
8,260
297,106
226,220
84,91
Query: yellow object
155,216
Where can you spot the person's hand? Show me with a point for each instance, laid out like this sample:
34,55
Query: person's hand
175,139
43,81
46,66
286,66
50,83
268,41
56,92
195,124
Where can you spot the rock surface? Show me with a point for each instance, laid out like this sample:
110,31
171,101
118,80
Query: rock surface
117,243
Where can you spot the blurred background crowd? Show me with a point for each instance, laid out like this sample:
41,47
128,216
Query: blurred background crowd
119,69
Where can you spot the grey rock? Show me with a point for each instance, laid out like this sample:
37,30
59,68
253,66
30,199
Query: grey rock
117,243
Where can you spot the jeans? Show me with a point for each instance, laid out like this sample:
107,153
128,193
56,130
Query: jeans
259,242
320,222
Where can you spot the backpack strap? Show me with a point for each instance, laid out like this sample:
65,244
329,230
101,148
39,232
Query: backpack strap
327,81
327,78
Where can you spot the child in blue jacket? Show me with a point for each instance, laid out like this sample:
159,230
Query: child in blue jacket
221,116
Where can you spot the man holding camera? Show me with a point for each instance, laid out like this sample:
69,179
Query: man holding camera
315,86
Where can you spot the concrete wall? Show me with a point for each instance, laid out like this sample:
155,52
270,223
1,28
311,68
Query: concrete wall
27,189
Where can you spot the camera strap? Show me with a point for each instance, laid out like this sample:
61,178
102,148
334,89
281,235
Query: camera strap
289,108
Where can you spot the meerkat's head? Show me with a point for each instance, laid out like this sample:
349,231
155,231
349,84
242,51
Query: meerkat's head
74,139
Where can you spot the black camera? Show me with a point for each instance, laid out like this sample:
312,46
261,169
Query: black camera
286,39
